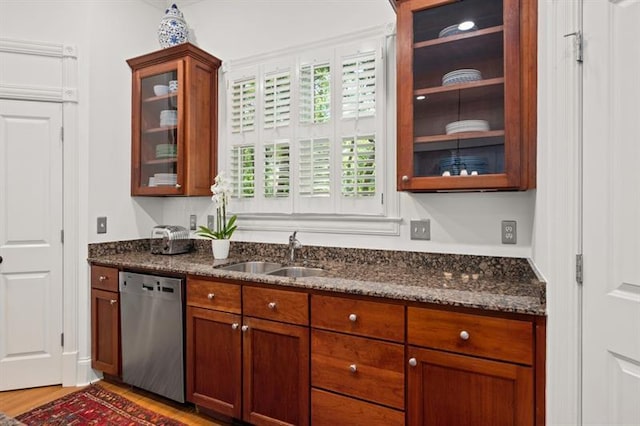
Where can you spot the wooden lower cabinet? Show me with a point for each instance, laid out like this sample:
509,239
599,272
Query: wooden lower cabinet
214,360
105,320
451,389
276,373
330,409
247,368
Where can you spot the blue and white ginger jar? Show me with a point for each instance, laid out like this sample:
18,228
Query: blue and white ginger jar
173,28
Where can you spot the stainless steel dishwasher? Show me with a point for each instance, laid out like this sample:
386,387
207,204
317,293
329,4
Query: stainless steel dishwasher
151,322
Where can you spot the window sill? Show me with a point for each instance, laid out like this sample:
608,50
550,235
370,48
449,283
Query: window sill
326,224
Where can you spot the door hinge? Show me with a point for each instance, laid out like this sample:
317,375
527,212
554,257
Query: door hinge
579,44
62,236
62,339
579,267
61,134
382,198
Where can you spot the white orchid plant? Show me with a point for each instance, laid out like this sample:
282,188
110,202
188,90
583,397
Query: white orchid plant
220,189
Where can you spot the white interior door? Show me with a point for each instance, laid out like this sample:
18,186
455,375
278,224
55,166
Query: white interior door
30,244
611,233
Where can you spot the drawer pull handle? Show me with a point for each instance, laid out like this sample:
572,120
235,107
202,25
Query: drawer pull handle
413,362
353,368
211,296
272,305
102,278
113,301
244,327
353,317
464,335
235,326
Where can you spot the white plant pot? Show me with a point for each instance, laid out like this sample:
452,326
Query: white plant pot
220,248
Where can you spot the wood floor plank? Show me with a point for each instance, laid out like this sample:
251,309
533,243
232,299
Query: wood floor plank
14,403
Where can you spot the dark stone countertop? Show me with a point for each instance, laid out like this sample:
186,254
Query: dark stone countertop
490,283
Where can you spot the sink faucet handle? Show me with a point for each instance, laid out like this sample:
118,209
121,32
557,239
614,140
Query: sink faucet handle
292,237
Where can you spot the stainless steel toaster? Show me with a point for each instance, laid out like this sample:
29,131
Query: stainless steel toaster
170,239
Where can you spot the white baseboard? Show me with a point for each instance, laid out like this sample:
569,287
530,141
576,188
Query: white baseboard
85,374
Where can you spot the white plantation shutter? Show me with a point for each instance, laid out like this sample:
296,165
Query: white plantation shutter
314,168
315,93
358,166
243,105
306,137
277,176
359,86
242,169
277,100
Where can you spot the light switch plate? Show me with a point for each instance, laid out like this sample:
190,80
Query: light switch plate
102,225
421,229
509,232
210,221
193,222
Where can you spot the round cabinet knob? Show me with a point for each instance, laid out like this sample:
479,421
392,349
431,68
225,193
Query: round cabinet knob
464,335
178,186
102,278
244,327
272,305
211,296
113,301
353,368
353,317
413,362
405,178
235,326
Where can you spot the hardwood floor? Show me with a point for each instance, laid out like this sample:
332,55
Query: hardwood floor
14,403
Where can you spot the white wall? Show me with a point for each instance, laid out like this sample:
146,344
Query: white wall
460,223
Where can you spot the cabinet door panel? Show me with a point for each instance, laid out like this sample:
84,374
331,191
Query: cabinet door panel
105,331
276,373
450,389
214,360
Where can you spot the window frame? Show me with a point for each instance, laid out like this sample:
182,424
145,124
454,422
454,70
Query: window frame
378,214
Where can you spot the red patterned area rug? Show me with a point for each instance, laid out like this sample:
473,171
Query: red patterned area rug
94,405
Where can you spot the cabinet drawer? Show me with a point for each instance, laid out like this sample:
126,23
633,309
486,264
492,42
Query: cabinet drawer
372,319
213,295
358,366
104,278
328,409
277,305
498,338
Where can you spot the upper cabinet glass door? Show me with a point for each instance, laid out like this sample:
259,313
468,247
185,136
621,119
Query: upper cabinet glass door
459,95
159,131
174,121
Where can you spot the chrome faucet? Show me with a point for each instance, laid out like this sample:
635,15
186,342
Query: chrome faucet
294,244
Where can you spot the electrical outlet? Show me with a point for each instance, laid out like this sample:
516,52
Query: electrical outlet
421,229
102,225
193,222
210,221
509,232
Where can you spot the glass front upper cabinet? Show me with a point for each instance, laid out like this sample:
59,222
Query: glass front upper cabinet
174,122
159,132
466,103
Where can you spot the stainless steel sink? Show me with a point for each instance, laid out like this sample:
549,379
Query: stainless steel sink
297,271
257,267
